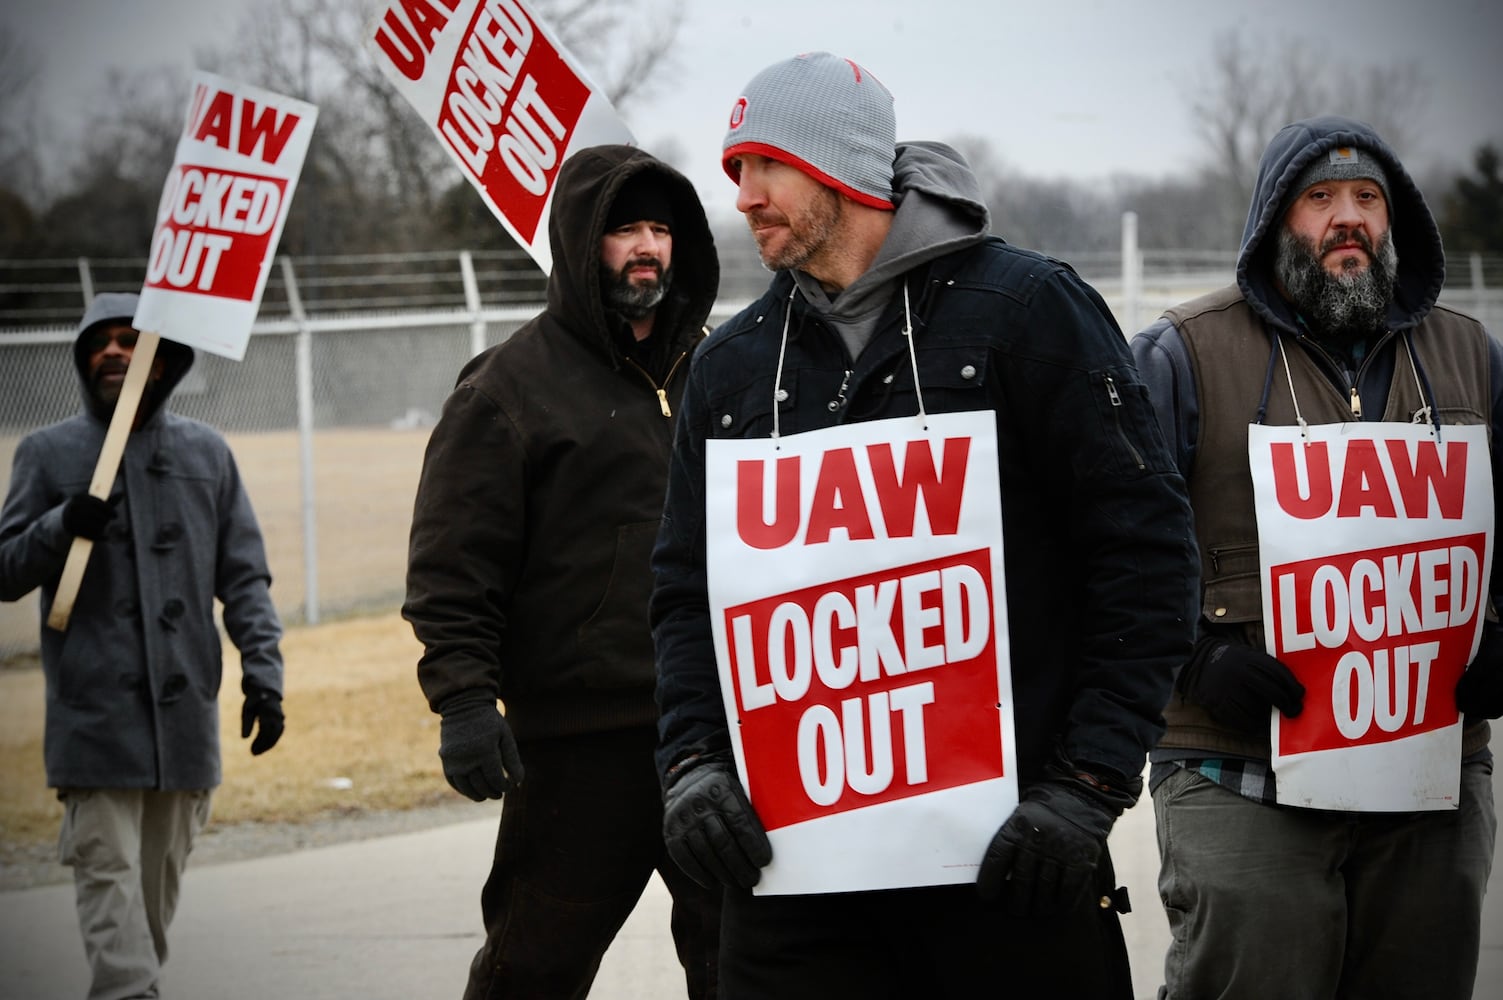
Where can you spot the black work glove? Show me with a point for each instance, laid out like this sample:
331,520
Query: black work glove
1042,862
478,750
262,708
1238,685
1479,693
87,516
709,825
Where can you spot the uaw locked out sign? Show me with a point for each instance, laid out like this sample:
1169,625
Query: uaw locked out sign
857,601
1375,543
215,224
221,214
507,101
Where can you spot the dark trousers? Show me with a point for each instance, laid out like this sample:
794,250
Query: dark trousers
939,942
577,843
1310,904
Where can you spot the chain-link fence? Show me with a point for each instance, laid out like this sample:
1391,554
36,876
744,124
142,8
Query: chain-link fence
328,415
334,502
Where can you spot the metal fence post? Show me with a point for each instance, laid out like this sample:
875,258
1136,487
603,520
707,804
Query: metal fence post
1132,273
85,282
1479,293
305,442
472,302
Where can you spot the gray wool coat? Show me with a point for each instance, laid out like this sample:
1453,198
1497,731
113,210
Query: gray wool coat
132,684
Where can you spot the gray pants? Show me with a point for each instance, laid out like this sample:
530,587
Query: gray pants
1268,901
128,848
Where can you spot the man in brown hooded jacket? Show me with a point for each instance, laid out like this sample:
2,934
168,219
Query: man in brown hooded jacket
528,579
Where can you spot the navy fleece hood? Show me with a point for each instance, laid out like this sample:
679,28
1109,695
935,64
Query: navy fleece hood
1422,263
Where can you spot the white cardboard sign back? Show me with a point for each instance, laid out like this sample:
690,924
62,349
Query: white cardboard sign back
505,98
221,214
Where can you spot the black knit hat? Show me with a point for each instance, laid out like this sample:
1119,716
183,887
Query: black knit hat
644,196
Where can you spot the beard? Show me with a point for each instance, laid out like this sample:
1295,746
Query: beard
630,299
1344,307
808,232
107,393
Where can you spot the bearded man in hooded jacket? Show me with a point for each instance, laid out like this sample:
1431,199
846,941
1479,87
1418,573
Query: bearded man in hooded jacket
131,738
1369,882
528,579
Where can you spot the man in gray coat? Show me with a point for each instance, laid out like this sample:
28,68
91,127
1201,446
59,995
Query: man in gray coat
132,728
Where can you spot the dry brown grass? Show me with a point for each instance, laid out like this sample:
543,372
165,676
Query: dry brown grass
364,480
354,711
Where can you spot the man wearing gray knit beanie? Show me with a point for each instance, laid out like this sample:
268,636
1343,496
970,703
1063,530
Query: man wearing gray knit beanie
1370,829
831,120
892,307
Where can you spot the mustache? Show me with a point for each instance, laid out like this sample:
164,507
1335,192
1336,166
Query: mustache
761,218
637,262
1341,236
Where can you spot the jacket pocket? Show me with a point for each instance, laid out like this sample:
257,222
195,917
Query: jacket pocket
952,378
1129,433
1455,415
746,412
81,671
616,635
1233,593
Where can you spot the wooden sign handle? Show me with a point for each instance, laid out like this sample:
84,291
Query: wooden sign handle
104,473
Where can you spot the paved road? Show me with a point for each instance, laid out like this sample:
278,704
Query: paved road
396,918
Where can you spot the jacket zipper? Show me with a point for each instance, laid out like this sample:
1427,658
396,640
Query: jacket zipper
1116,399
1354,400
661,390
839,400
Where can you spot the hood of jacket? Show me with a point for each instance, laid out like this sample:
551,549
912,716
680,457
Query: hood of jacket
1422,263
176,358
939,209
587,186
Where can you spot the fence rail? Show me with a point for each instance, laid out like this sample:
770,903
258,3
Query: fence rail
329,411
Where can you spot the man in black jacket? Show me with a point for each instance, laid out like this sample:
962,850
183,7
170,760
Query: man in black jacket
890,300
528,579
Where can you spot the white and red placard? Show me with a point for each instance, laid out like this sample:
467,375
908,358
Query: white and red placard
859,616
221,213
506,100
1376,546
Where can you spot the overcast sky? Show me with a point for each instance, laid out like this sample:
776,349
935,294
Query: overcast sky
1081,89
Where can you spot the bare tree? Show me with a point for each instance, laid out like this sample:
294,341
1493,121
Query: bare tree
20,173
1054,215
375,177
625,46
370,145
1254,86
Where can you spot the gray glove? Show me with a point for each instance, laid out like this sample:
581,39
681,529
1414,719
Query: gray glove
709,825
478,750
